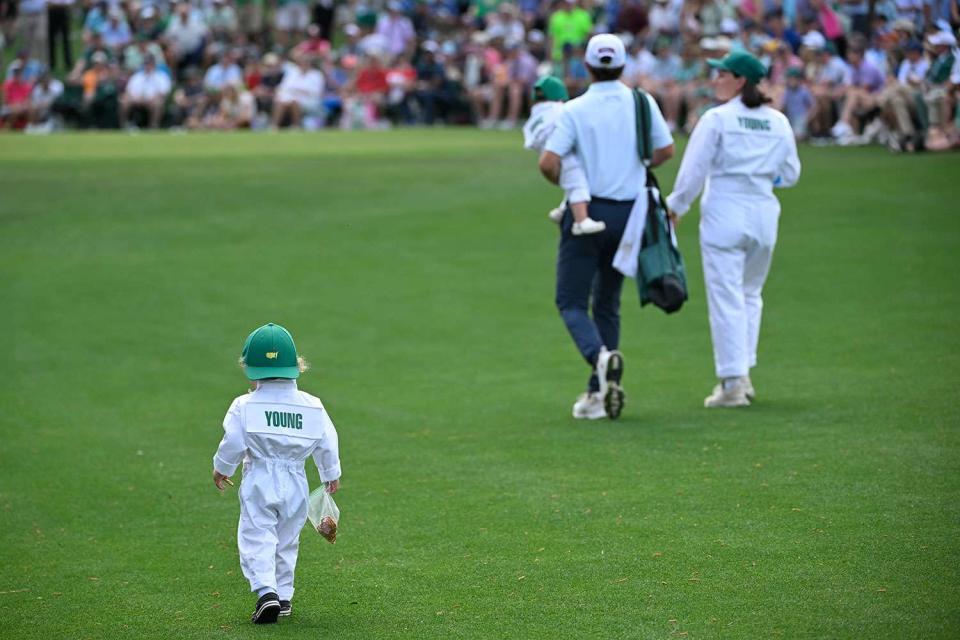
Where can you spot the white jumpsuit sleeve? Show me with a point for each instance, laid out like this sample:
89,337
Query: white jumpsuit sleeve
327,454
233,446
695,167
789,172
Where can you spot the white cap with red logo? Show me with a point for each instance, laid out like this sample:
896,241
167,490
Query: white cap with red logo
605,51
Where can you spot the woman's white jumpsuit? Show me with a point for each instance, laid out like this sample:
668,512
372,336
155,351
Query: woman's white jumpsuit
273,430
736,155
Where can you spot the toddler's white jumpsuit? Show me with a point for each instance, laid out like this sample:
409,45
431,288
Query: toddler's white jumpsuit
273,430
536,131
740,154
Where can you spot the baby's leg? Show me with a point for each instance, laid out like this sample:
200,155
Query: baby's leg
579,210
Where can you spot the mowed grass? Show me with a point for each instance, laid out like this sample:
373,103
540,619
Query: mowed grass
416,271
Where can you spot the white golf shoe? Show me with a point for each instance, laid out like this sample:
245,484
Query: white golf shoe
748,389
589,406
588,226
556,215
609,374
730,393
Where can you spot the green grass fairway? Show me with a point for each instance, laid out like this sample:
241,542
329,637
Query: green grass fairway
416,269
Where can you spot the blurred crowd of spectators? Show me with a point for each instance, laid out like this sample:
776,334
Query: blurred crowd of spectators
847,71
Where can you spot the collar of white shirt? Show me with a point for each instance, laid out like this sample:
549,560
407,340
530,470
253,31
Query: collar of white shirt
607,86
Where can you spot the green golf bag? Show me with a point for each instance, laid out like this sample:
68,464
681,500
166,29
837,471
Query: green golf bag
661,277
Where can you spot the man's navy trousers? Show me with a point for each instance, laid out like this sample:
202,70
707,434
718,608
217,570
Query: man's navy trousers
587,281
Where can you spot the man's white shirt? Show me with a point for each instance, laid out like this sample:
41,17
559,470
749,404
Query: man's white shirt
600,128
148,86
303,87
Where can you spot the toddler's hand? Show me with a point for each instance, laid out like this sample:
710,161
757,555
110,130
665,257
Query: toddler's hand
219,479
333,485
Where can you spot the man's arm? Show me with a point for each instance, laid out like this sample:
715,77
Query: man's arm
550,166
661,155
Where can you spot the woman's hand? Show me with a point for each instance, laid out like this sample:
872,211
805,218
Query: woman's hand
333,485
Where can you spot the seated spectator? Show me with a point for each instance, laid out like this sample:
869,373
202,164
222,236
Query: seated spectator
236,110
666,67
190,100
861,96
336,75
16,98
185,35
96,20
899,100
574,70
116,32
937,98
270,77
689,95
368,41
45,93
431,91
30,68
396,29
147,90
99,84
797,102
639,63
714,15
367,97
224,72
506,25
827,73
221,20
136,54
290,21
401,78
778,28
313,46
149,26
298,94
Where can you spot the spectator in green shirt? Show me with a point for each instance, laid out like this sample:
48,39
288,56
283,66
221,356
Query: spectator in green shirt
570,25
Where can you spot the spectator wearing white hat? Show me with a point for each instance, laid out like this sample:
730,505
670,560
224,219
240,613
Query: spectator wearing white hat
600,127
147,90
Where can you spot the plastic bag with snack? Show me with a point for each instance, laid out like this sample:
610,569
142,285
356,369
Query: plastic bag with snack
324,514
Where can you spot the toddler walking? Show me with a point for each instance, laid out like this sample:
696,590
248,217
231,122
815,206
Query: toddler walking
272,430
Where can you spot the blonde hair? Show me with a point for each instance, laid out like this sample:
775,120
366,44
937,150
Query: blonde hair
302,365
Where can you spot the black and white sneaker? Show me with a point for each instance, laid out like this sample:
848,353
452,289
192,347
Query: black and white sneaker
285,608
267,609
609,374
